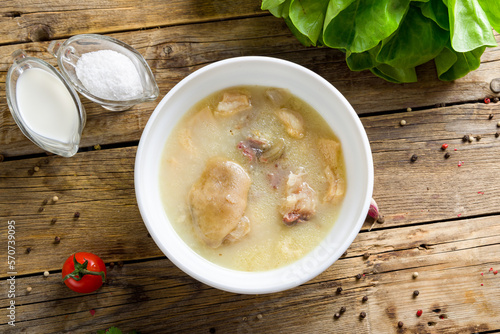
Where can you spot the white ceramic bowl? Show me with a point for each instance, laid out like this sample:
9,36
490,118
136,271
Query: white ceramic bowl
308,86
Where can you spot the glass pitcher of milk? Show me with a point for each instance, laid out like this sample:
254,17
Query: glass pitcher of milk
44,105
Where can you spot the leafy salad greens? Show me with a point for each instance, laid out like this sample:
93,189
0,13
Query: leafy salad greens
391,37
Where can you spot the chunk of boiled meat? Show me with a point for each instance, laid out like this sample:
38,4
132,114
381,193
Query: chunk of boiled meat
233,103
330,151
201,125
336,186
218,200
293,122
277,96
299,205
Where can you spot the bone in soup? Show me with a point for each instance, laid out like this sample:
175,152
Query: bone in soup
252,178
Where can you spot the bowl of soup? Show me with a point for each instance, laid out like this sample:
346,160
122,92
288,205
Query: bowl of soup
253,175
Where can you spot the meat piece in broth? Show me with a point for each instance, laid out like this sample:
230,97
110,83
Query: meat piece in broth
233,103
299,205
218,200
293,122
277,96
336,186
202,124
331,151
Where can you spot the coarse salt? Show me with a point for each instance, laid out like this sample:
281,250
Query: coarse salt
109,75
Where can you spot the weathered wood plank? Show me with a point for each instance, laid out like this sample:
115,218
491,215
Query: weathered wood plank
28,20
175,52
454,296
99,185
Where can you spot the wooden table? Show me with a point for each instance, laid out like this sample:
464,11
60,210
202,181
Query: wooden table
442,220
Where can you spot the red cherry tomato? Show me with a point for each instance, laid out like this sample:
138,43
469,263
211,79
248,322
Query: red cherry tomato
84,272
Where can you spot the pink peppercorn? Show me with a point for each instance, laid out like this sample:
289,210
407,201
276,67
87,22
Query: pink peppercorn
487,100
444,146
419,313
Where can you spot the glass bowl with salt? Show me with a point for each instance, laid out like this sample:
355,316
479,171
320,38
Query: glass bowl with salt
105,70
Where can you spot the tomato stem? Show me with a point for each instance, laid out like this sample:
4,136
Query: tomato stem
81,270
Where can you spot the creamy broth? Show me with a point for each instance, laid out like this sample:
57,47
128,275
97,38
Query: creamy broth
203,134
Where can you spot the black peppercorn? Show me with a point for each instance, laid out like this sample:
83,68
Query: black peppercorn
495,99
447,155
28,250
364,299
76,215
414,158
44,202
465,138
497,134
336,315
40,209
342,309
362,315
57,240
53,221
366,255
478,137
358,276
490,116
416,293
400,324
339,289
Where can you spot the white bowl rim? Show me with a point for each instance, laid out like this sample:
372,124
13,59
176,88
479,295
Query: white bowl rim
260,277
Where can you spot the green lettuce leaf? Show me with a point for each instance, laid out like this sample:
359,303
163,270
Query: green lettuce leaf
417,41
451,65
492,10
436,11
364,23
308,16
469,26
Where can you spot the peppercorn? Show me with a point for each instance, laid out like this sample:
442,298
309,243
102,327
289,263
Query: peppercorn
495,99
36,168
358,276
490,116
366,255
53,221
259,316
400,324
57,240
471,138
465,138
498,124
415,274
416,293
364,299
97,147
362,315
402,122
380,219
339,289
336,315
40,209
444,146
44,202
478,137
487,100
447,155
342,309
408,109
76,215
414,158
46,273
28,289
28,250
55,199
419,313
497,134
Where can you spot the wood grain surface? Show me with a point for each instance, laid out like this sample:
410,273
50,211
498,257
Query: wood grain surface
442,220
